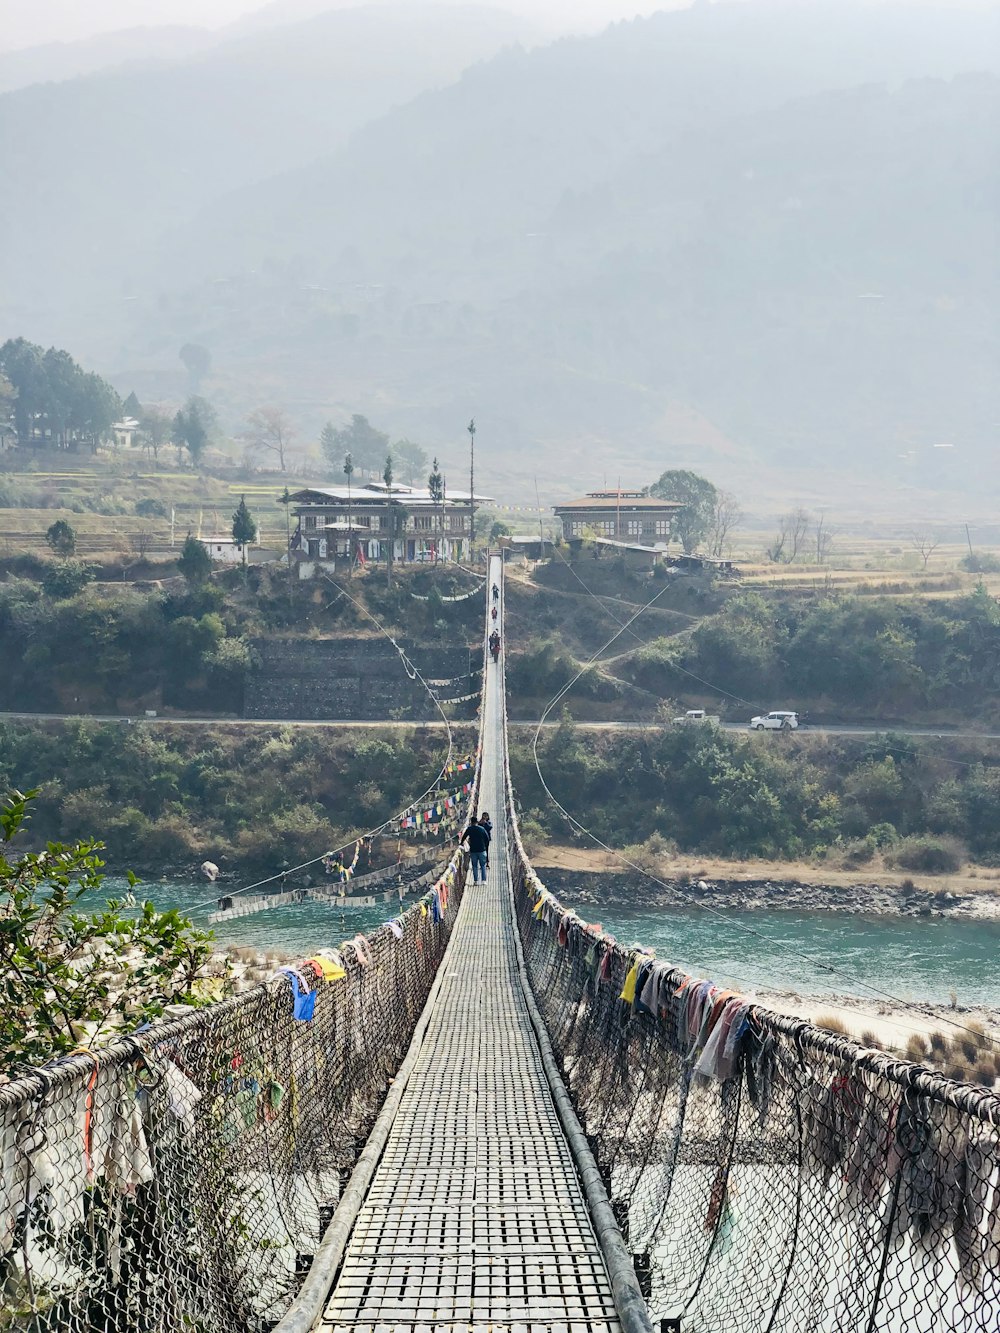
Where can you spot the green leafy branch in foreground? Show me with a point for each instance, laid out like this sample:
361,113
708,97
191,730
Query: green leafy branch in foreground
71,977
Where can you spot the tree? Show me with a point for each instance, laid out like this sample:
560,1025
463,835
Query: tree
55,398
435,486
366,445
268,429
697,495
21,363
411,460
926,543
726,514
193,425
66,578
61,537
498,530
156,427
824,538
132,407
8,396
244,526
194,562
197,361
98,407
792,531
65,979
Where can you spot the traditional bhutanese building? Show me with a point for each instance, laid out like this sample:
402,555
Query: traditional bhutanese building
623,516
338,524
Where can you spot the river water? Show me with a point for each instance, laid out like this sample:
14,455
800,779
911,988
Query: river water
910,958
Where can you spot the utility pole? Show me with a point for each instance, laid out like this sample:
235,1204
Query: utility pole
969,540
348,472
389,518
471,428
286,500
541,536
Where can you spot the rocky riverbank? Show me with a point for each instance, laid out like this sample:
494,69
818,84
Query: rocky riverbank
583,889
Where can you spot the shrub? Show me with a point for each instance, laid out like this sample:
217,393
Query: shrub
831,1023
651,854
67,578
61,537
981,562
149,507
933,856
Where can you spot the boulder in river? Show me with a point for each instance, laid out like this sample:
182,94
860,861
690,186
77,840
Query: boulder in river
210,871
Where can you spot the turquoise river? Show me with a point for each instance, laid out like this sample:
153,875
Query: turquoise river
909,958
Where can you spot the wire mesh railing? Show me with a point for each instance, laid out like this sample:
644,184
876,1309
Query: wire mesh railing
768,1176
181,1178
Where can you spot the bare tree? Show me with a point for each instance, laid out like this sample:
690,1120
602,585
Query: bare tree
269,429
798,528
726,514
141,542
926,543
824,538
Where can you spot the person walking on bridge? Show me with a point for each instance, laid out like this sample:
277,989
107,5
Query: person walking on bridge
496,593
487,824
495,646
478,838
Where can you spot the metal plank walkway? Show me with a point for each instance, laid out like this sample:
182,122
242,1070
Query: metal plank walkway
475,1217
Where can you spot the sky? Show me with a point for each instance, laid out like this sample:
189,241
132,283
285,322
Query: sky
35,22
26,23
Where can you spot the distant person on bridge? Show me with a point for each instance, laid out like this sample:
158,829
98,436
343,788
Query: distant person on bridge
493,614
478,839
496,593
495,646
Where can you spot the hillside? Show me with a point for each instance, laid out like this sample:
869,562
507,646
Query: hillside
151,145
757,240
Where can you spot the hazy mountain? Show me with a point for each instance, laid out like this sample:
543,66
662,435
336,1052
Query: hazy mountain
761,239
55,62
656,240
101,166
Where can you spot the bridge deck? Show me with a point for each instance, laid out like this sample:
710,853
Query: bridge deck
475,1216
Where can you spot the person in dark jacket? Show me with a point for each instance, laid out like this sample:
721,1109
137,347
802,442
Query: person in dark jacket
478,839
487,823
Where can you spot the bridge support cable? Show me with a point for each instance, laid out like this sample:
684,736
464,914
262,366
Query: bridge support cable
769,1176
476,1215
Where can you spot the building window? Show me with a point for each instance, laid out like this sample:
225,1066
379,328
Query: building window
663,527
606,527
575,528
309,522
457,523
423,524
633,526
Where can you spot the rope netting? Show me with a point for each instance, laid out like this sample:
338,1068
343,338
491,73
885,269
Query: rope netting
181,1177
768,1176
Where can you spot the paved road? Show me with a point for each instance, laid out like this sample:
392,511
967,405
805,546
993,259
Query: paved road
188,721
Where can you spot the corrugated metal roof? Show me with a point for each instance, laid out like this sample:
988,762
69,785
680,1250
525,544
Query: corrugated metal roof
614,505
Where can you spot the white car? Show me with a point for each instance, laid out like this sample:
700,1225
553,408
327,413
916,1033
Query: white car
776,721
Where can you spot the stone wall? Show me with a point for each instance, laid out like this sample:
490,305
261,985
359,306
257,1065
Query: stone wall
353,679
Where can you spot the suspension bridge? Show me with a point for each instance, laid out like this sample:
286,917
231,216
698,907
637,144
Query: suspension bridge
489,1115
